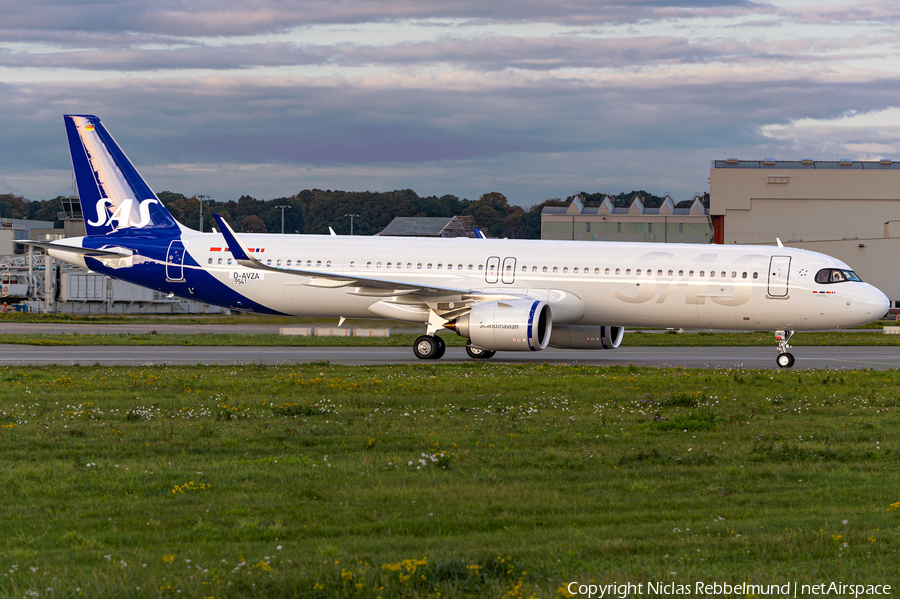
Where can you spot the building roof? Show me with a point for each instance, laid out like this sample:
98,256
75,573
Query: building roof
808,164
427,226
636,208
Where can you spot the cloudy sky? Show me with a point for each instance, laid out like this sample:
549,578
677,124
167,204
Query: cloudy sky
533,99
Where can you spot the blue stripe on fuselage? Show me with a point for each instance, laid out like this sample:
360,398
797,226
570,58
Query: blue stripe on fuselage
149,270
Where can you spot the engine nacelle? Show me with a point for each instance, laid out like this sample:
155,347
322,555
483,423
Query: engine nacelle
586,337
507,325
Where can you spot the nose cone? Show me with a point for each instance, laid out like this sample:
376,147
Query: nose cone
877,303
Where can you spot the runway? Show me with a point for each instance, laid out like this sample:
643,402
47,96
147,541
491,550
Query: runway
836,358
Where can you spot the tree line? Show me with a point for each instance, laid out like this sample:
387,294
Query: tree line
313,211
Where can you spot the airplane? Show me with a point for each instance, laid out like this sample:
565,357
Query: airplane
500,294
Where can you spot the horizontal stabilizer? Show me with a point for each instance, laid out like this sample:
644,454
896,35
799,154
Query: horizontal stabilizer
74,249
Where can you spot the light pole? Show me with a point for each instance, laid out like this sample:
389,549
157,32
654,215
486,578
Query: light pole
351,221
202,199
282,217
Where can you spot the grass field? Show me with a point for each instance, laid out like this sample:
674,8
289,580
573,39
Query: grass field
472,480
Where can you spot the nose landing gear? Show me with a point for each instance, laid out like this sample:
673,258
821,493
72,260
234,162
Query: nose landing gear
784,359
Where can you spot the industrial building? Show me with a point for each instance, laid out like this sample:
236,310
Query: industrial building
606,222
847,209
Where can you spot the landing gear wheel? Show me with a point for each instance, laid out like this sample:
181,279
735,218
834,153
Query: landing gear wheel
441,348
785,360
425,347
478,354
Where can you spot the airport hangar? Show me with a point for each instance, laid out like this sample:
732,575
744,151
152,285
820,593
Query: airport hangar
847,209
844,208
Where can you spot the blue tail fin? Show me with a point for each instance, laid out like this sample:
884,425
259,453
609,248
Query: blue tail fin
113,194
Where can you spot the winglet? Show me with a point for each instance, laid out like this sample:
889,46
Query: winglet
478,233
236,248
781,245
330,230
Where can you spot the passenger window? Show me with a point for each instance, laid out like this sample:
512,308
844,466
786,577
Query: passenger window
459,267
712,274
627,271
328,264
480,267
278,263
701,272
352,263
680,273
429,266
617,271
309,263
566,269
419,266
555,269
575,270
637,272
388,265
744,276
534,269
319,264
659,273
229,261
209,261
368,265
670,273
409,265
439,266
269,262
733,275
606,271
470,267
756,275
288,263
524,269
690,273
220,261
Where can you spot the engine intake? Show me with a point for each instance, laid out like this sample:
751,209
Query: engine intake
586,337
508,325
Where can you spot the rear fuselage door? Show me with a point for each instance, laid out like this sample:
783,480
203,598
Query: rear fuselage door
491,268
175,261
779,269
509,271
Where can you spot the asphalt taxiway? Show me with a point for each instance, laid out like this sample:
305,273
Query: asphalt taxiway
838,358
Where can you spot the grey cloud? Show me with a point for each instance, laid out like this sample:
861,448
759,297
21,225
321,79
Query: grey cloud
253,119
484,54
229,17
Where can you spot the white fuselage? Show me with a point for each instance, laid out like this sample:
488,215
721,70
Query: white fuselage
630,284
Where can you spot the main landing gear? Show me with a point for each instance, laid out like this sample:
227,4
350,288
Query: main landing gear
476,353
429,347
784,359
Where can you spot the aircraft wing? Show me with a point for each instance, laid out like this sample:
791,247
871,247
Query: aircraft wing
378,286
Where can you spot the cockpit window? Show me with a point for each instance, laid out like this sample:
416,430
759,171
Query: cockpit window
836,275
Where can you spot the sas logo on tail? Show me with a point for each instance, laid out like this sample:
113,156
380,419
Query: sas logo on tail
122,214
